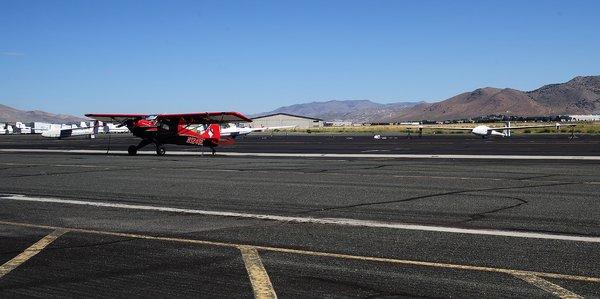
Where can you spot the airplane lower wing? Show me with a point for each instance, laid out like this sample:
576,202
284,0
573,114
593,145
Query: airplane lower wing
235,131
261,129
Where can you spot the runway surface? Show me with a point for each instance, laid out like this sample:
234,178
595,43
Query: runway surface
189,226
582,145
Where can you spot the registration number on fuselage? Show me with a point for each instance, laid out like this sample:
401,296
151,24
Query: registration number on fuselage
194,140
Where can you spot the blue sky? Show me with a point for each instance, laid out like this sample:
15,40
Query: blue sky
252,56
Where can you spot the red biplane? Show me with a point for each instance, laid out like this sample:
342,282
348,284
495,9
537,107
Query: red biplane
161,129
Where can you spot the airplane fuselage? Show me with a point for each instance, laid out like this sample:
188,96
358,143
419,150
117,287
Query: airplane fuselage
172,133
485,131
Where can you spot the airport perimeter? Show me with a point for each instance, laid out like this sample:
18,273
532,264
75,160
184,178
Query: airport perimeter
302,226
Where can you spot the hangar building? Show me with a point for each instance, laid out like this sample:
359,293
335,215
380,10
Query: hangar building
284,119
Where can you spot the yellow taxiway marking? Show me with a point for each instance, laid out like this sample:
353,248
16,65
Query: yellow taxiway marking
261,284
31,251
320,254
549,287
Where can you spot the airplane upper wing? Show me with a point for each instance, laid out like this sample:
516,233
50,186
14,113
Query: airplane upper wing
207,117
532,126
190,118
443,128
114,118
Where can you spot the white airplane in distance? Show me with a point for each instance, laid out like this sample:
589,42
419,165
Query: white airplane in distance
233,131
486,131
56,131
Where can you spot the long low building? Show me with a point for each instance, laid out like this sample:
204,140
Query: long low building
590,117
284,119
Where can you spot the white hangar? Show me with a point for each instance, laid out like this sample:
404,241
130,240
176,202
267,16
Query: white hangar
284,119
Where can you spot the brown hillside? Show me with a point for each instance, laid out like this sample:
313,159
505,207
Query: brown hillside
581,95
12,115
483,101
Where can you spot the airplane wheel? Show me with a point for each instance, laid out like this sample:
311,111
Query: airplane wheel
160,150
132,150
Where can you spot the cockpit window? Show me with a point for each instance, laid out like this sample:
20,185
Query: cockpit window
151,117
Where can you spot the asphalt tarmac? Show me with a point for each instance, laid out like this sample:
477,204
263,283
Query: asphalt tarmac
75,225
342,143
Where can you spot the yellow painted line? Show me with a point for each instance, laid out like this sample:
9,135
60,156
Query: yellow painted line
432,264
261,284
549,287
321,254
30,252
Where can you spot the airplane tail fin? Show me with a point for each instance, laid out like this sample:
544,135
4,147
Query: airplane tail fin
507,130
212,132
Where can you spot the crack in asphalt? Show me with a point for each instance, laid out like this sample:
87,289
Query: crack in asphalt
68,172
481,215
433,195
537,177
17,167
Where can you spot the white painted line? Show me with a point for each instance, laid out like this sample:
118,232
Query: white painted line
317,155
325,221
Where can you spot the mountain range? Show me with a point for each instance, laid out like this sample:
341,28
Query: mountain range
580,95
12,115
349,110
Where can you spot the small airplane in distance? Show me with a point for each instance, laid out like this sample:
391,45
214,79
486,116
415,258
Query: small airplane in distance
234,131
486,131
161,129
56,131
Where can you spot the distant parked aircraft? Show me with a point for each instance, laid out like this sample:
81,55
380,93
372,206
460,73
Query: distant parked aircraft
486,131
21,128
64,131
57,131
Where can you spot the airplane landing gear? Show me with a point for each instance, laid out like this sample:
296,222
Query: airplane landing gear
160,150
214,152
132,150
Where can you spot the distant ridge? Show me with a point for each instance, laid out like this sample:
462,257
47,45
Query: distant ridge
350,110
581,95
12,115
